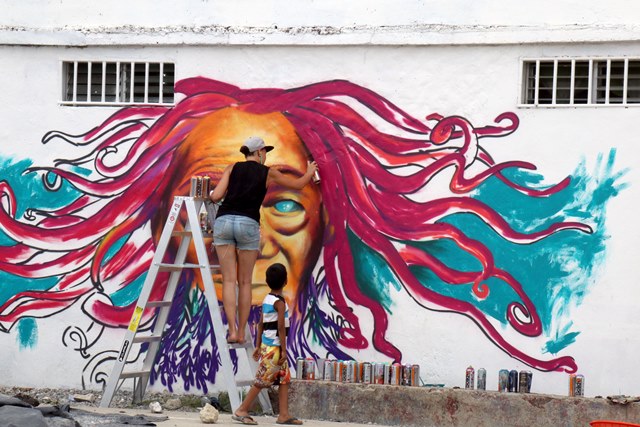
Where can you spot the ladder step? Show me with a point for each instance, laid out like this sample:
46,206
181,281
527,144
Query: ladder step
135,374
176,267
246,344
148,338
244,383
189,232
159,304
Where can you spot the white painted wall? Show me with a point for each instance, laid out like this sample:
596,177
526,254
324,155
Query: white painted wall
477,82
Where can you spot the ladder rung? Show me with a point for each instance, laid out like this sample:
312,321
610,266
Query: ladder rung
188,233
135,374
153,304
176,267
246,344
244,383
148,338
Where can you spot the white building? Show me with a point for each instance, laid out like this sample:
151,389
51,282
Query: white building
569,71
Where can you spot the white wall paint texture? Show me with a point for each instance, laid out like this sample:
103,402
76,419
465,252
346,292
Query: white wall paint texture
477,82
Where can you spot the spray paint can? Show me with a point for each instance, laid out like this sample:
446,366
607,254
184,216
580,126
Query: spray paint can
396,374
351,371
524,381
206,183
309,369
378,373
482,379
579,385
387,373
300,368
503,380
513,381
415,375
572,384
367,377
327,370
469,378
194,186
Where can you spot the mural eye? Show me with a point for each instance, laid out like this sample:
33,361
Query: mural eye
288,206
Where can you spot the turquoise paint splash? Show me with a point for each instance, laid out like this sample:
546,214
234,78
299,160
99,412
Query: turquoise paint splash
556,272
32,193
27,333
374,276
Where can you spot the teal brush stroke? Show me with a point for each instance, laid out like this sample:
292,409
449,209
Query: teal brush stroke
27,333
373,274
557,272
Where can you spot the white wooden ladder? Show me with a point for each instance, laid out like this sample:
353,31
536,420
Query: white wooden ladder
192,232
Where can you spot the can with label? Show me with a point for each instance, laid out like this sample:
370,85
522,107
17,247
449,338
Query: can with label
513,381
387,373
300,368
572,384
523,382
396,374
206,182
469,378
367,377
415,375
378,373
503,380
351,371
309,369
198,186
327,372
482,379
579,385
194,186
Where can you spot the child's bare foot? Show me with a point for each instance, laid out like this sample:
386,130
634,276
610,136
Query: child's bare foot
293,421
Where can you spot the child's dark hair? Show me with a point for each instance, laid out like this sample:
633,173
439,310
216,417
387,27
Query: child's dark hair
276,276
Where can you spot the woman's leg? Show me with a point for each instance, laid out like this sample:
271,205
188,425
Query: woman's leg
228,268
246,262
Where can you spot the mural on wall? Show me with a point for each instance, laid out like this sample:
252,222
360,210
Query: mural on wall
405,204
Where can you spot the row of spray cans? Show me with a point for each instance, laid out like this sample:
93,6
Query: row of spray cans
351,371
200,187
576,385
508,381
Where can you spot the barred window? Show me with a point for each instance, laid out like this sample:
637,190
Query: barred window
581,81
118,83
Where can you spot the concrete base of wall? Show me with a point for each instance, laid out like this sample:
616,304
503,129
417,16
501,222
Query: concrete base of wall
444,407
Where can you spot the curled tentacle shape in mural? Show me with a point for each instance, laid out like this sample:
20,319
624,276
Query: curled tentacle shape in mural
381,204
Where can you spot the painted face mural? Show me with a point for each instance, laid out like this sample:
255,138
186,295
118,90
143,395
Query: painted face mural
405,205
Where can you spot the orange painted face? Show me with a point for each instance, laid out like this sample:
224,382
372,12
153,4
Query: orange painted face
291,220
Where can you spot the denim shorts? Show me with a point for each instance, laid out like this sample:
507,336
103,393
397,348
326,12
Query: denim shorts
240,231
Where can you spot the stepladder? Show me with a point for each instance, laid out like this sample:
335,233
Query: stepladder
190,235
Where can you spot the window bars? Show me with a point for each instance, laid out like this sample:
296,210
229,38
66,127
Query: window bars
118,83
580,82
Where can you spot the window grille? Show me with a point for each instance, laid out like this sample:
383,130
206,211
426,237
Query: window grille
118,83
553,82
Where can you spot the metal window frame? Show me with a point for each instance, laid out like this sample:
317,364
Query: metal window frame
592,101
69,70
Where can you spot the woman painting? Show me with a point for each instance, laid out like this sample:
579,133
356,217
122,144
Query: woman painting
242,189
373,201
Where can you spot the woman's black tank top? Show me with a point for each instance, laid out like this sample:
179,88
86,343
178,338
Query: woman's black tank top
246,190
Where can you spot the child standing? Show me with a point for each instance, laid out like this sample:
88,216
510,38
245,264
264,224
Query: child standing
271,350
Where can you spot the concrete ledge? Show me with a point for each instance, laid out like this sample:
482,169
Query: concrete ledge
443,407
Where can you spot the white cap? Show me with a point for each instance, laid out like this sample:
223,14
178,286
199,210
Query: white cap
255,143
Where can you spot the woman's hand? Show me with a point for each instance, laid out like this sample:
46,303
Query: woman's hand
312,167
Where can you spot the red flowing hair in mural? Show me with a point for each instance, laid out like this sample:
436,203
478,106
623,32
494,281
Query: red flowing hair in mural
363,193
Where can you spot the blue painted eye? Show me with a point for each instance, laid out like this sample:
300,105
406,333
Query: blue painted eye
287,206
